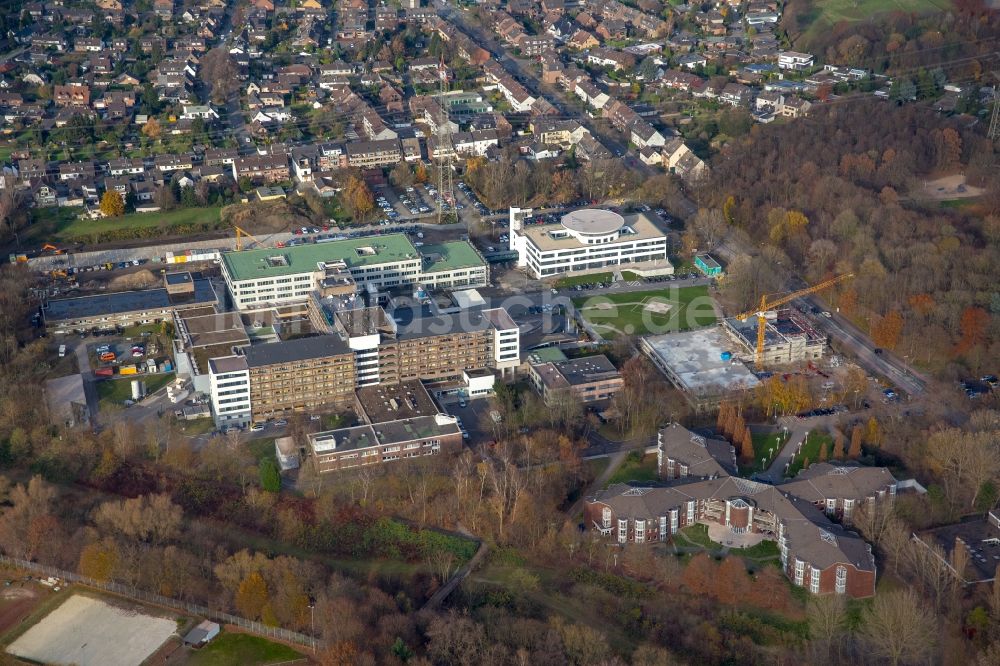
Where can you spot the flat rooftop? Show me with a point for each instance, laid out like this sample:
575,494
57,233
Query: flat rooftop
587,369
981,537
178,278
450,256
359,322
407,400
382,434
641,226
355,252
123,302
299,349
466,321
592,221
224,328
695,358
546,355
228,364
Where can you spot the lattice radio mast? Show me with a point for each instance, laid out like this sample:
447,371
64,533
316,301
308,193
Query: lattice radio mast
445,150
994,132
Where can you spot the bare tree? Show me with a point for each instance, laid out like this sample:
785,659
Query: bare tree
827,615
899,628
13,209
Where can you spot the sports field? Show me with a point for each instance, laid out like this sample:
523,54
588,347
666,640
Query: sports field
647,312
90,632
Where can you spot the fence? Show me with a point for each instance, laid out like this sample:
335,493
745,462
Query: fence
160,600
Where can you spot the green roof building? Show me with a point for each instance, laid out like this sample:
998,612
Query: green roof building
268,276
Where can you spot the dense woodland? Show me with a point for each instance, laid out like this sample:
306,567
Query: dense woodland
961,41
843,195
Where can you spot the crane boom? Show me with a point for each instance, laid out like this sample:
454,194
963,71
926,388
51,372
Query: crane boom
766,305
240,233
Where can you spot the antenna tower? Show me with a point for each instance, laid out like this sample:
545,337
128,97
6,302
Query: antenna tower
994,132
445,150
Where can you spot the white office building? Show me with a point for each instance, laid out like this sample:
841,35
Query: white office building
262,277
589,239
229,381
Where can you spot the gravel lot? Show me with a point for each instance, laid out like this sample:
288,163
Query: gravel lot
89,632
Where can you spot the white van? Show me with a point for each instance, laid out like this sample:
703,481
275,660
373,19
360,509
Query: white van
62,351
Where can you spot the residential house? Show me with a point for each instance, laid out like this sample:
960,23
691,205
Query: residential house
795,61
270,168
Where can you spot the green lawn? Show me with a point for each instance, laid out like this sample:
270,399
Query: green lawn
63,224
262,448
761,444
655,311
636,468
824,14
196,426
810,451
572,280
116,391
242,650
697,536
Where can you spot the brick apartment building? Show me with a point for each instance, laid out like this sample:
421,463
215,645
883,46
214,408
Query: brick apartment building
816,553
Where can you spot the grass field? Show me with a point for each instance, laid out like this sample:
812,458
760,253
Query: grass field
64,225
573,280
116,391
241,650
647,312
810,451
636,467
823,15
763,442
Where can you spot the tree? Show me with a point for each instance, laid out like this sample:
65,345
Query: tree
358,198
420,173
252,596
973,324
827,615
98,561
151,129
401,175
149,518
13,209
855,451
964,461
886,330
112,204
270,478
747,445
898,627
838,445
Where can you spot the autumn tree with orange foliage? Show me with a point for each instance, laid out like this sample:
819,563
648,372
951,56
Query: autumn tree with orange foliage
855,451
974,323
886,330
838,446
922,304
358,198
746,445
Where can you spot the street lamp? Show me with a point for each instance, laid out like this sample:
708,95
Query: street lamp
312,622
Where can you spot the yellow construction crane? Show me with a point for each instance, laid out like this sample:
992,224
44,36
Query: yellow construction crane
766,306
240,233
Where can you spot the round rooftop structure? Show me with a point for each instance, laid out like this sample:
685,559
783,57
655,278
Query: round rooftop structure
593,221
